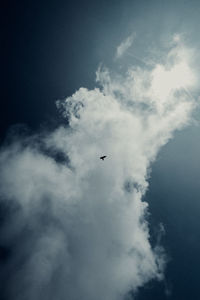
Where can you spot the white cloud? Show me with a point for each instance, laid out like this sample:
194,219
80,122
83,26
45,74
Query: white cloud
84,229
125,45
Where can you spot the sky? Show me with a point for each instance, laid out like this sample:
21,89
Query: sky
81,79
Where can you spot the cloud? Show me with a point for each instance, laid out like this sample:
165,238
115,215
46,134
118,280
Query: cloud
77,227
125,45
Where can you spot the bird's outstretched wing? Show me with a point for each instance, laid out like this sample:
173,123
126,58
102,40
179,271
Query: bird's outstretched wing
102,157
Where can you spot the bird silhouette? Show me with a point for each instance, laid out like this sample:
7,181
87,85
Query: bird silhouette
102,157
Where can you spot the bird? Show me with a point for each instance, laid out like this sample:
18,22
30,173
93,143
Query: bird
102,157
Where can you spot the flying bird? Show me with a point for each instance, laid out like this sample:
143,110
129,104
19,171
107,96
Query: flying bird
102,157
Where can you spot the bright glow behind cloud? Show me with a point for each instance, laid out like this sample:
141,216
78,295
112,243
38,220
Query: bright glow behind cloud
88,235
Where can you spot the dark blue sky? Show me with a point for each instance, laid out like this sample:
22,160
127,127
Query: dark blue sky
51,48
174,200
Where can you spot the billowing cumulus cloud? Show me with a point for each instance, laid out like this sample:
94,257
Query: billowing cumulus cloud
77,226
